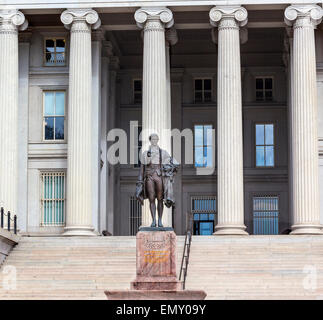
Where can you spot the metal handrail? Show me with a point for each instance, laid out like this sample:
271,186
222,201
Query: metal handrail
9,219
186,255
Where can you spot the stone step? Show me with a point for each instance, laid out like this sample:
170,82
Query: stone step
253,267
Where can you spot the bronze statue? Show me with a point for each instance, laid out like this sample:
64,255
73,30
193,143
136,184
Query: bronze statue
155,179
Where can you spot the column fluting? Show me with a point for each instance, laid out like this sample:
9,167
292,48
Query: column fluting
10,22
79,178
229,123
155,103
303,113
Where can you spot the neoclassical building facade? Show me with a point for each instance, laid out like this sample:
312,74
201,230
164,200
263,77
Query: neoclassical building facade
251,73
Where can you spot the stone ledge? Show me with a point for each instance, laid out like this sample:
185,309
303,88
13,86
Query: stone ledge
7,241
155,295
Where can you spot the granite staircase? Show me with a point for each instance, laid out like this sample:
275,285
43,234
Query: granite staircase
252,267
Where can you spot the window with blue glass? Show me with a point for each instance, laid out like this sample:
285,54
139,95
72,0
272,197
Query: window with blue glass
204,214
265,214
265,146
54,115
203,147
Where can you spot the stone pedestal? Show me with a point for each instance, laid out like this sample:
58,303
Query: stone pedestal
156,261
156,271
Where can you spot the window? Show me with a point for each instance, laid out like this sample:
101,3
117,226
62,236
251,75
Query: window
134,216
265,215
54,52
203,147
265,145
137,91
203,90
54,115
264,89
52,198
137,148
203,210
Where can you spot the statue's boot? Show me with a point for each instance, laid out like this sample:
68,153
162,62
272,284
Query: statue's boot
153,224
160,225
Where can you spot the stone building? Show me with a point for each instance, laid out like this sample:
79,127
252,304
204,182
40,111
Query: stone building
71,72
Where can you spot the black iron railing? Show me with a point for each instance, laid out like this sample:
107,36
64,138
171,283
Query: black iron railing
186,253
8,215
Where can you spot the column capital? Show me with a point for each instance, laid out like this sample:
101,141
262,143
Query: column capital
236,13
98,35
303,15
25,36
89,16
161,14
107,48
171,36
114,63
12,20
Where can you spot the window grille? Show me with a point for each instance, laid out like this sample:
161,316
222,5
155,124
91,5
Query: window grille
265,214
52,198
203,210
134,216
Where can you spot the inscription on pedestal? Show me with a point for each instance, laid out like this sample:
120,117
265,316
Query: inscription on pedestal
156,260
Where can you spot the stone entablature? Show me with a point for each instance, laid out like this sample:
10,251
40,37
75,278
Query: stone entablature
52,4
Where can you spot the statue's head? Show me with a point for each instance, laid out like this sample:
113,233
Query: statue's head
153,138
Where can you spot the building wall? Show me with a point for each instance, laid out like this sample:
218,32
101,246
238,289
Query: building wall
185,113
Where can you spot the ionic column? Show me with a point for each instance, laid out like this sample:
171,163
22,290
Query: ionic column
155,103
229,123
79,156
303,113
10,22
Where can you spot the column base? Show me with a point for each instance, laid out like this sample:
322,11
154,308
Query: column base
307,229
79,231
230,230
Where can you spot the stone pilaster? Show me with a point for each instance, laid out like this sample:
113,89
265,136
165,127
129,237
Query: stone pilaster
303,114
229,123
10,22
155,102
171,39
79,158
